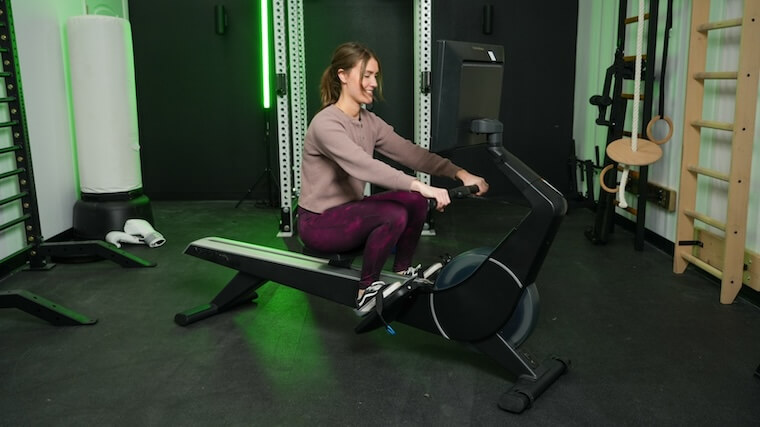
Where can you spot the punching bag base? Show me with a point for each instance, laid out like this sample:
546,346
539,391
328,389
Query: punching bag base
96,215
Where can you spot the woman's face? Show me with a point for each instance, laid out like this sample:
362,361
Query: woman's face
360,87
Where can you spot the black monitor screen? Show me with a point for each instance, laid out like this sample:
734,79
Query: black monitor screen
466,86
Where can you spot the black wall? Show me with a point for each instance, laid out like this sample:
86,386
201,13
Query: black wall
539,78
202,128
383,25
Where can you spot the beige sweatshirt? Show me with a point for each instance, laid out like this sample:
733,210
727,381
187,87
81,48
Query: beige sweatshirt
338,159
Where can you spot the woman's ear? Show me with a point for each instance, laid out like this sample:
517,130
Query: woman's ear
342,75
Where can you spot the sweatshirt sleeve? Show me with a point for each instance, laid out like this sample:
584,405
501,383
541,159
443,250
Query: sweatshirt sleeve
404,151
332,141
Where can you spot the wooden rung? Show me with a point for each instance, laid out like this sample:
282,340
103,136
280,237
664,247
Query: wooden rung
701,264
708,172
633,19
706,219
633,58
629,209
713,250
717,25
713,125
716,75
630,96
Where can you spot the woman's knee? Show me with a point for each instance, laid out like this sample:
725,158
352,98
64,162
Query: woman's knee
416,205
419,202
414,202
395,216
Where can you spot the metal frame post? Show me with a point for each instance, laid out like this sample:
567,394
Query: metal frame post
291,90
422,68
279,14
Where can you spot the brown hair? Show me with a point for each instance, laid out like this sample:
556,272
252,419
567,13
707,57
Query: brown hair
345,56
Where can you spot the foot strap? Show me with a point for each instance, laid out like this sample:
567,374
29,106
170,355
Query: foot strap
377,318
379,310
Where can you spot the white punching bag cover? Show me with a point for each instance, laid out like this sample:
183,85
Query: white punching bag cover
102,77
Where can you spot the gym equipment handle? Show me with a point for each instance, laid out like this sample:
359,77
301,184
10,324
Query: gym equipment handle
456,193
463,191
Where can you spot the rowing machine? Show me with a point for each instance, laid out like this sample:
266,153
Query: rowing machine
486,297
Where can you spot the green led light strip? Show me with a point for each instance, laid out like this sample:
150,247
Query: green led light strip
265,53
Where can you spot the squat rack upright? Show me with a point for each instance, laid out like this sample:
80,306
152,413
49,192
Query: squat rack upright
291,115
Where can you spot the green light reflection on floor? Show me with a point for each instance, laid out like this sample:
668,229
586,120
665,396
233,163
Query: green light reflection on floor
286,346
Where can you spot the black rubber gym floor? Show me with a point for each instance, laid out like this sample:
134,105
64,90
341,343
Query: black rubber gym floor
647,347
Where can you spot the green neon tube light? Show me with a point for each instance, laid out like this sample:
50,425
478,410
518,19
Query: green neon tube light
265,53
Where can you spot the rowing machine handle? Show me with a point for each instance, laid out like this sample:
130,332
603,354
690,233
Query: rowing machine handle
463,191
456,193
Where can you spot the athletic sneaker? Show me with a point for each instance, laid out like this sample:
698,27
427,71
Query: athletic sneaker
414,272
366,302
411,271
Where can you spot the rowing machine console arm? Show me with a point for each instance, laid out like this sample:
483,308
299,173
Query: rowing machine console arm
525,247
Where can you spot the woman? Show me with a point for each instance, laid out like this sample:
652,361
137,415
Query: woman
334,215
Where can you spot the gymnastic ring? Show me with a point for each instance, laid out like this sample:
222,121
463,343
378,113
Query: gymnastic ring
651,125
601,179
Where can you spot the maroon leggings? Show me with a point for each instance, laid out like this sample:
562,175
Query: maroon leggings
378,223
